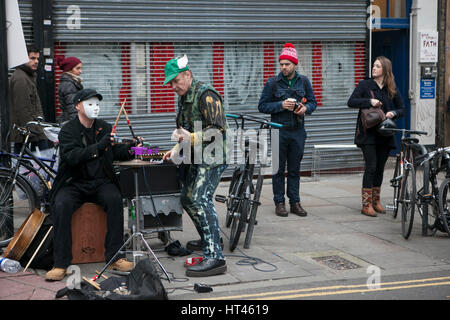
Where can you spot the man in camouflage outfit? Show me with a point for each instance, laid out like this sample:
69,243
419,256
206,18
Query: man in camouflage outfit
201,123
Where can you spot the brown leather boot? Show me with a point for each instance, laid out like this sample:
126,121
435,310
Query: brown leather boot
367,208
376,200
297,209
280,210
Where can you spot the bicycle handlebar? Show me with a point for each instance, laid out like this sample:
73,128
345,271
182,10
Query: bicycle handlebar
254,118
430,155
41,123
406,131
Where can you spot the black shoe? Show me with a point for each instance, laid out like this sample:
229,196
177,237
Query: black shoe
206,268
196,245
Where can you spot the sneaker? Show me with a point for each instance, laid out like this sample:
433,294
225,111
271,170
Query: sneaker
122,265
56,274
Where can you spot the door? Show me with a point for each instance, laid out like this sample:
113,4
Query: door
394,45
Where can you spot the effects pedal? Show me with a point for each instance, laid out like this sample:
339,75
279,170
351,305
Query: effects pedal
202,288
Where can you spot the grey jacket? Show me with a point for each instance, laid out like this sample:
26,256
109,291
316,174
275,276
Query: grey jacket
68,87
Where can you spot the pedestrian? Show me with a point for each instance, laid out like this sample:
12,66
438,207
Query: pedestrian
25,104
200,109
287,97
86,174
69,84
379,91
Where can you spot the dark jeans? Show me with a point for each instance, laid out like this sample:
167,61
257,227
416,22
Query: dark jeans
375,157
67,201
291,147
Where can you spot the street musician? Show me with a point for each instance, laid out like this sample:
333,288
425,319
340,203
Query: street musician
86,173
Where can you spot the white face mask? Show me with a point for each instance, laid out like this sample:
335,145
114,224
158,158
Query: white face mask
91,107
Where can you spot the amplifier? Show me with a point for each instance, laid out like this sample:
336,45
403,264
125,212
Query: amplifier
160,178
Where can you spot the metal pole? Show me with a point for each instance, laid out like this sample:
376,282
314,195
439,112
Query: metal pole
4,105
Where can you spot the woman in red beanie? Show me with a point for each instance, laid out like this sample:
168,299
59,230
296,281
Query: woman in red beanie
69,85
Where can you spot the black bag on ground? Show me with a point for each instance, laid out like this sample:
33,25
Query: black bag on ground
143,283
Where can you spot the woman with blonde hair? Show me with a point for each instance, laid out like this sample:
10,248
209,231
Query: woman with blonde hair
379,91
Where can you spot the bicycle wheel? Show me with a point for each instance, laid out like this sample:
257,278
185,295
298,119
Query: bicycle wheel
17,201
232,200
424,197
408,200
395,183
254,209
240,218
443,221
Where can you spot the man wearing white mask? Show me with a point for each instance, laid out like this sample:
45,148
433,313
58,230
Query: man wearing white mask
86,173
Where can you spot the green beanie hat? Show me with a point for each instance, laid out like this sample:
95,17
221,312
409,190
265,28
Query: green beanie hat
174,67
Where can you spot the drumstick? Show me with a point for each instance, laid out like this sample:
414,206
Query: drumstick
131,128
40,245
118,116
129,123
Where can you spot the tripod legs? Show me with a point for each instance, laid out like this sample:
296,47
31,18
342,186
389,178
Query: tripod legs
138,237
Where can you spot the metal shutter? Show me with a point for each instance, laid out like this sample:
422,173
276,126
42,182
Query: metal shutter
209,20
122,43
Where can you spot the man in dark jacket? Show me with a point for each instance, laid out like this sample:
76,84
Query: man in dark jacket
86,173
287,97
24,102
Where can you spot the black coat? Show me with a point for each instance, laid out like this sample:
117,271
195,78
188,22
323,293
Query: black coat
67,89
360,98
74,152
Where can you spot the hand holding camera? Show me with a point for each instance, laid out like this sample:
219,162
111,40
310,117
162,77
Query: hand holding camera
297,107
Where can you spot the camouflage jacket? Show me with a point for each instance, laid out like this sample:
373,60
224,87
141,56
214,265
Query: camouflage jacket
200,111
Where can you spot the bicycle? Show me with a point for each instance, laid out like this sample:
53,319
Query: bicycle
404,179
18,197
439,196
241,208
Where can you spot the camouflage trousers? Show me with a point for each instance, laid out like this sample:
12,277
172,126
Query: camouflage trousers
200,183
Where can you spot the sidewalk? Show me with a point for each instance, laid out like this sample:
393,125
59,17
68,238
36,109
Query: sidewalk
333,242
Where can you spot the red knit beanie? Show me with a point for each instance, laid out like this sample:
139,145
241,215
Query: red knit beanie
68,63
289,53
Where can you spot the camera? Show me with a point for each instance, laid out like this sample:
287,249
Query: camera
297,104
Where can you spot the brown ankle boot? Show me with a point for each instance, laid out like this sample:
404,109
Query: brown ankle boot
376,200
367,208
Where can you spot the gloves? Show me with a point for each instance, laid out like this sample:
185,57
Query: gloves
104,142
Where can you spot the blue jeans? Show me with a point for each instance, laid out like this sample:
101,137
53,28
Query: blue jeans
291,148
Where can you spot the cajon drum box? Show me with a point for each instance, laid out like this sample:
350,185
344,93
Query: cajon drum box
88,234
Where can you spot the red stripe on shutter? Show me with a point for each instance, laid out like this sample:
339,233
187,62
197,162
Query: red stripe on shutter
125,90
269,60
317,71
162,98
360,58
60,51
218,82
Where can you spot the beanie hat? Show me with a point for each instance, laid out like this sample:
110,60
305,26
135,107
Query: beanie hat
289,53
68,63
